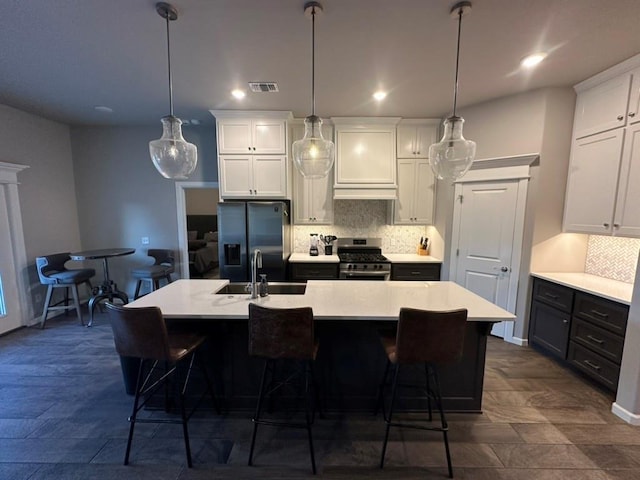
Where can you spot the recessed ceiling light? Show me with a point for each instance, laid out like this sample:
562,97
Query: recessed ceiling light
237,93
103,109
533,60
380,95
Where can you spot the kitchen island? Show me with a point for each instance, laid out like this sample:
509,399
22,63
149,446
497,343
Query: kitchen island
348,315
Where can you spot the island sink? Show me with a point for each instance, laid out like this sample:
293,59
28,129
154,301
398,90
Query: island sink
275,288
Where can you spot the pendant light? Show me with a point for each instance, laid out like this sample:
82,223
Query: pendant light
172,155
313,156
452,156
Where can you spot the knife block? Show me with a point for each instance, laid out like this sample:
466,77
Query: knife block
423,251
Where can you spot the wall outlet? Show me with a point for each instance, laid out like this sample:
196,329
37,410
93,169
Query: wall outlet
145,240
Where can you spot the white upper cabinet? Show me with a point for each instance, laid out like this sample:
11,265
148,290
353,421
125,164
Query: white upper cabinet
414,137
365,165
603,185
252,154
312,197
610,104
592,183
416,193
260,136
253,176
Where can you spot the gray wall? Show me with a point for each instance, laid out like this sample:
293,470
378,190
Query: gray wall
533,122
46,190
122,197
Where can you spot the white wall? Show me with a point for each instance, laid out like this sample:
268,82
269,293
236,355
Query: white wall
201,201
46,190
122,197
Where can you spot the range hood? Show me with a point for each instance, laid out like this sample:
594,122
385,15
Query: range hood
365,166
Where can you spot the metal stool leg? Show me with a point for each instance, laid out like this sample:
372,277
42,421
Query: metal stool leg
45,310
443,420
388,420
256,416
134,413
308,415
76,300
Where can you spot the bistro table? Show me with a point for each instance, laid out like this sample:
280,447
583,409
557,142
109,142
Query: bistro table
107,290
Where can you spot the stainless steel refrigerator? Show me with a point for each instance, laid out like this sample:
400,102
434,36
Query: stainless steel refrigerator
245,226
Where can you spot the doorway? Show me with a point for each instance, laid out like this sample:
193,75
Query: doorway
196,215
487,235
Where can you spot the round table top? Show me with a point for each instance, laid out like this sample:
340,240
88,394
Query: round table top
103,253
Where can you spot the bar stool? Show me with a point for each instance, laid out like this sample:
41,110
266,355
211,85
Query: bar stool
141,333
162,268
52,272
428,337
283,334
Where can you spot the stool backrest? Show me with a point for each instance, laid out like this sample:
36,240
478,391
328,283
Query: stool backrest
139,332
162,256
281,332
48,264
430,336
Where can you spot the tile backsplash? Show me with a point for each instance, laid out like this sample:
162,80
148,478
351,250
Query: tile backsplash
363,218
612,257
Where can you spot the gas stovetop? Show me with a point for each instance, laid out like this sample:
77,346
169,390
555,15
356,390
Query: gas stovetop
362,257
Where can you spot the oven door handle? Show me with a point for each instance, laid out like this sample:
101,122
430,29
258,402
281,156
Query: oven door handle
365,274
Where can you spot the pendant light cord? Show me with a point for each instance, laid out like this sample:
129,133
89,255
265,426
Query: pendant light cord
169,64
313,60
455,89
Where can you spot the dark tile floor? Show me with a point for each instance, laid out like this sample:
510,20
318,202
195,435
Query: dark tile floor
63,416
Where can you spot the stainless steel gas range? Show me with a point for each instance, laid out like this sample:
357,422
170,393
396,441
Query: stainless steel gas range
362,259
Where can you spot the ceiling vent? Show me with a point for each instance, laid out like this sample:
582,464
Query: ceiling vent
266,87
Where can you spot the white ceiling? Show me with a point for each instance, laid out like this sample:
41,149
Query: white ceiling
60,58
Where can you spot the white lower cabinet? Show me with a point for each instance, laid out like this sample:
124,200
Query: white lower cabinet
416,193
246,176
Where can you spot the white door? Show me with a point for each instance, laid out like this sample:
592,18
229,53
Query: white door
10,311
485,216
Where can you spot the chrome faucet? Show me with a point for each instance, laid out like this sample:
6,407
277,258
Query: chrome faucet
256,262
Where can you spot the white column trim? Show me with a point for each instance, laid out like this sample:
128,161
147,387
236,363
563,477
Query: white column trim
9,180
624,414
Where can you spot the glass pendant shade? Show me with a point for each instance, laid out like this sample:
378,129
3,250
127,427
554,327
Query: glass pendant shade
452,156
313,156
171,154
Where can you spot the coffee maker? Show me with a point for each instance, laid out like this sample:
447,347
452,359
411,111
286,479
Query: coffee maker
313,244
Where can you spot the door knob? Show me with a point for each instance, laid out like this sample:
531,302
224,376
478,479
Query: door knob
504,269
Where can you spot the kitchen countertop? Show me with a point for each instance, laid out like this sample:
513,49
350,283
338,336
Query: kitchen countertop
393,257
411,258
600,286
330,300
306,258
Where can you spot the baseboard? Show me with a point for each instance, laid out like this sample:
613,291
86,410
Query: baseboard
624,414
522,342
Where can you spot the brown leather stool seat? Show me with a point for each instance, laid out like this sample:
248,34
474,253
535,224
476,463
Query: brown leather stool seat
423,337
283,334
142,333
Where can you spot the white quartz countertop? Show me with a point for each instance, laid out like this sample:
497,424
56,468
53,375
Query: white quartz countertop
306,258
411,258
393,257
600,286
330,300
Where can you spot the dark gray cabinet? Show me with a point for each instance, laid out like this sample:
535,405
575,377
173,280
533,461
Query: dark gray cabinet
422,272
584,330
301,272
550,320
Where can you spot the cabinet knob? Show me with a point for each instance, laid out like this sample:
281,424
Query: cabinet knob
620,117
254,149
249,148
616,225
605,225
632,114
565,321
418,152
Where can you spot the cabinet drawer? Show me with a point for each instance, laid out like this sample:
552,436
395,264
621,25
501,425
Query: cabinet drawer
609,315
597,367
314,271
550,328
553,294
597,339
414,271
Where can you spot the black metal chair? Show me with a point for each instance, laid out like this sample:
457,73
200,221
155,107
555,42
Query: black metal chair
162,268
284,334
423,337
141,333
54,274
